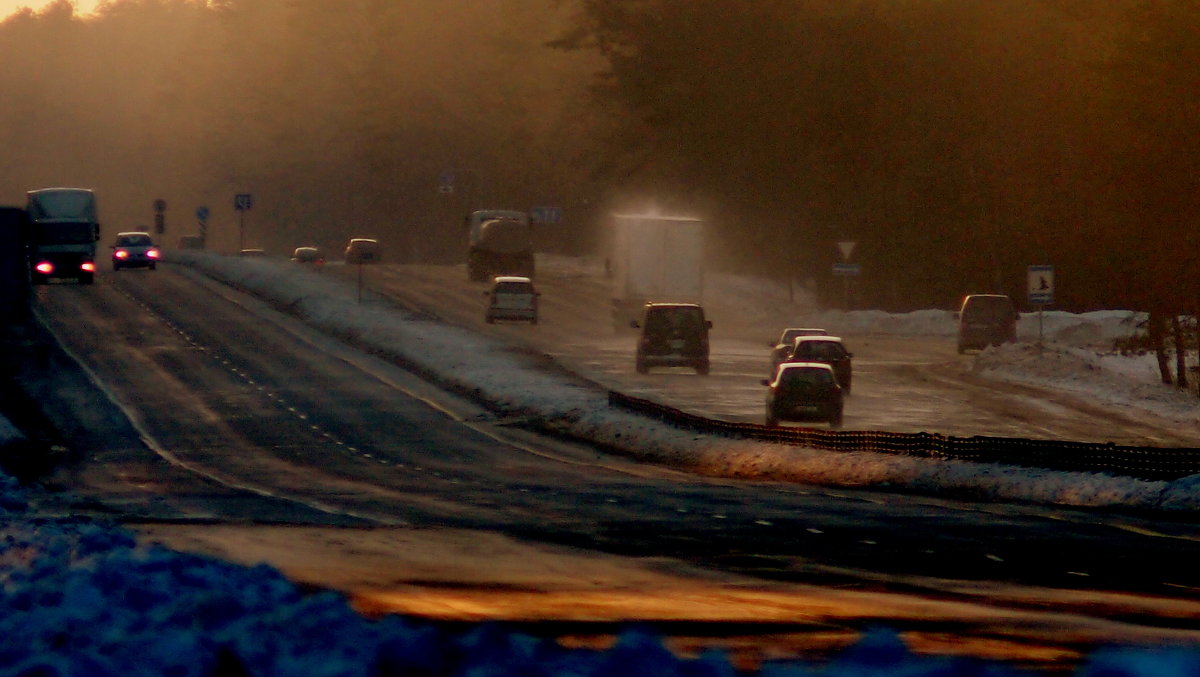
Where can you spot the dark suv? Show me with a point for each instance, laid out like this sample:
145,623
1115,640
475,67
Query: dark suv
673,335
986,320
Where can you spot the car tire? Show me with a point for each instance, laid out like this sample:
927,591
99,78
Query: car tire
489,319
641,367
835,421
772,422
86,278
116,267
702,369
153,266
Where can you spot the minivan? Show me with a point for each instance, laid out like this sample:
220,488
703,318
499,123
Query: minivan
986,320
512,297
673,335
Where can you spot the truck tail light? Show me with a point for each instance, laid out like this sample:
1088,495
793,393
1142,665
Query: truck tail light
87,267
44,267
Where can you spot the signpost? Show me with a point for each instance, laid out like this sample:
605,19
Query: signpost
202,220
846,270
242,202
160,219
1040,282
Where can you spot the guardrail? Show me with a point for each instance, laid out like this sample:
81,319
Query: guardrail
1149,463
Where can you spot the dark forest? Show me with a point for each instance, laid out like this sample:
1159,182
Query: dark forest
956,142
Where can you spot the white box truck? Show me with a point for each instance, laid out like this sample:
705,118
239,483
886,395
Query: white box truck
655,259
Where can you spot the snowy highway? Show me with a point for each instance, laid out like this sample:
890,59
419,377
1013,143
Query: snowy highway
225,426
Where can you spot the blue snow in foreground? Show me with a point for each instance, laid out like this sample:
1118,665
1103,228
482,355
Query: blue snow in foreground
84,598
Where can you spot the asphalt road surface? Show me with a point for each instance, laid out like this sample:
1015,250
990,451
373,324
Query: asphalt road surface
212,422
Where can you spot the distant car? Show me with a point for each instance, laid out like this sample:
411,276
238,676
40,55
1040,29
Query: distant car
986,320
673,335
311,255
781,349
251,253
135,249
512,298
826,350
804,391
362,250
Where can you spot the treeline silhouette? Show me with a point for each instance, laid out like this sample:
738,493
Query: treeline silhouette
956,143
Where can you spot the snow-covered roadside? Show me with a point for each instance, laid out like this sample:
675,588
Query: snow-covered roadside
475,364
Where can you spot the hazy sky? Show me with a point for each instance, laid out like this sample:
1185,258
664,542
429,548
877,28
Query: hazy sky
7,7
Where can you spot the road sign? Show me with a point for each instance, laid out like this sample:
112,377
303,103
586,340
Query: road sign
243,201
546,214
847,248
446,182
847,269
201,213
160,205
1041,285
160,223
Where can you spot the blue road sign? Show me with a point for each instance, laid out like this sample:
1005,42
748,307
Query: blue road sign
847,269
546,214
243,201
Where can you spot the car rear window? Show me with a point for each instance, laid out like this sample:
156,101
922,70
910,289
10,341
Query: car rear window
513,288
818,350
990,307
667,319
796,377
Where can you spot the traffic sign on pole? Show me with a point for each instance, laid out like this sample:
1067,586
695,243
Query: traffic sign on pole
1041,285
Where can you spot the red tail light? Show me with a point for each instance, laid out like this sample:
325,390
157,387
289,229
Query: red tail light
87,267
152,253
44,267
120,254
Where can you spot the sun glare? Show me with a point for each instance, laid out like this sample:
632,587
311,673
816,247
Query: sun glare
9,7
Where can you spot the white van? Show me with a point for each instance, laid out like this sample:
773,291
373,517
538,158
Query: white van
512,298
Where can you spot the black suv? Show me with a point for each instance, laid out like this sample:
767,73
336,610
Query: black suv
673,335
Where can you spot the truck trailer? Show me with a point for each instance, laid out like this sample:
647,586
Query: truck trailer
14,263
63,234
654,259
499,242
